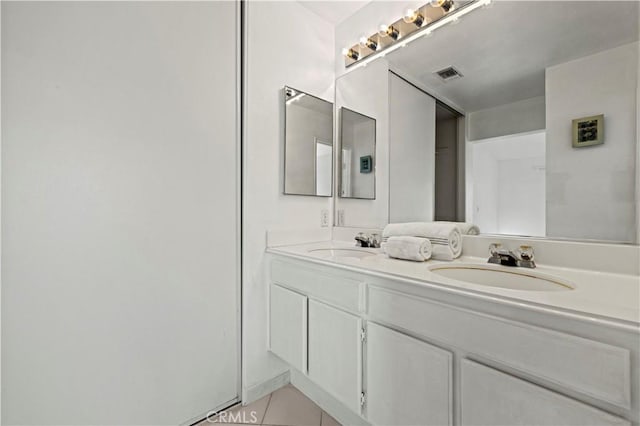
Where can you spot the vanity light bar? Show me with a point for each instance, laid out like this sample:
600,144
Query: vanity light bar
414,24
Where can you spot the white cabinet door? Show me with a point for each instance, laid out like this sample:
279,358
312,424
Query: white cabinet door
335,353
408,381
490,397
288,326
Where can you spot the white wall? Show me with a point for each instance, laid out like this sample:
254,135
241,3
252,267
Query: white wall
412,122
119,219
508,175
286,45
517,117
366,90
521,195
591,191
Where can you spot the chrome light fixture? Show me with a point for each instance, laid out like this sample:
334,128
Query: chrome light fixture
415,23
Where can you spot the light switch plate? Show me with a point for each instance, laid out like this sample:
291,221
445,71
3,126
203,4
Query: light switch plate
340,218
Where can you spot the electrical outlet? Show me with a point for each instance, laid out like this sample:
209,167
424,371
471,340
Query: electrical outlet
340,217
324,218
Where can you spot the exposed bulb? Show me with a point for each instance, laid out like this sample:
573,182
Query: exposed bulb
413,17
388,31
446,5
350,53
368,43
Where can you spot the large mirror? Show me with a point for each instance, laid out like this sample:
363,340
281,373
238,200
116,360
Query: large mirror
357,155
308,145
523,115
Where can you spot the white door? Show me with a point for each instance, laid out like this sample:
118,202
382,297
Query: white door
119,211
490,397
408,381
335,353
412,152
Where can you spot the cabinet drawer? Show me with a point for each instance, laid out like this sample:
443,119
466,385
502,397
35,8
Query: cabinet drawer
593,368
333,289
490,397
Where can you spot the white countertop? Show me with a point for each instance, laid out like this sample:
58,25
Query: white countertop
597,296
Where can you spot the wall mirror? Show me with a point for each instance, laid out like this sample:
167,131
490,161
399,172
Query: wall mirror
545,112
308,144
357,155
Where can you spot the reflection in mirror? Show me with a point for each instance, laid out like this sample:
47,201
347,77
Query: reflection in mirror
549,137
357,155
308,162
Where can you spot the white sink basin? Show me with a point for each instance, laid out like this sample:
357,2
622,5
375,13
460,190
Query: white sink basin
502,276
342,253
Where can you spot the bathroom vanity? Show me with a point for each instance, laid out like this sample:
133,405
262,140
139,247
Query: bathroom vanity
394,342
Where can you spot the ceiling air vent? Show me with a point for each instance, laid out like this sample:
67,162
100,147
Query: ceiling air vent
449,73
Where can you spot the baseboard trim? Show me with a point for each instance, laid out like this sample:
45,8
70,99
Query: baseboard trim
325,401
256,392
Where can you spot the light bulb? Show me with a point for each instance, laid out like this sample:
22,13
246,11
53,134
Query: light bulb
446,5
388,31
413,17
350,53
367,42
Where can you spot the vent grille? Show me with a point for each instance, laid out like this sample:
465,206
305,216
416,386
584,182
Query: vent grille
449,73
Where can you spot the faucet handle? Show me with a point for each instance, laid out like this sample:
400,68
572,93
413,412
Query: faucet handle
526,257
526,253
494,249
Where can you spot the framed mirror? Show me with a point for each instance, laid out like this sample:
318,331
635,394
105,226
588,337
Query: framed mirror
546,112
357,155
308,144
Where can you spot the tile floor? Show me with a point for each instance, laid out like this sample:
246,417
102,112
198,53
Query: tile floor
285,407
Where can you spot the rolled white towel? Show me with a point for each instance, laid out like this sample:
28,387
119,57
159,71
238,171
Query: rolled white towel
408,248
442,252
465,228
438,233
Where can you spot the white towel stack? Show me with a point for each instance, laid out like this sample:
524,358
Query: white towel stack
444,237
408,248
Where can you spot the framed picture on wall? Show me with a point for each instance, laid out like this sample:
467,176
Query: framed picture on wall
588,131
366,164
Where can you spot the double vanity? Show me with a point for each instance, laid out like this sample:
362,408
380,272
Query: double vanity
391,342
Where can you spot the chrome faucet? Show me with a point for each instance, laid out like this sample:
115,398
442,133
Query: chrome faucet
523,258
368,240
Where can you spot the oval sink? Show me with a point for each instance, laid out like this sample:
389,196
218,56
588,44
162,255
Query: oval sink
341,253
502,277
